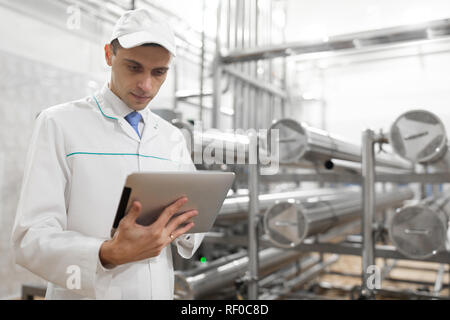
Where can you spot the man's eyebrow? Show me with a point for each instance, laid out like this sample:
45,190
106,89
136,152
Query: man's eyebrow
132,61
139,64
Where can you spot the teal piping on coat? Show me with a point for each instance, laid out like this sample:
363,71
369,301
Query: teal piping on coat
116,154
98,105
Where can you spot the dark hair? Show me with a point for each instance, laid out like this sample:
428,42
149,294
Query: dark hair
115,45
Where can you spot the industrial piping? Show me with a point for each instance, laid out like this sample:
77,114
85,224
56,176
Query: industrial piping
420,136
234,147
300,141
236,208
198,284
295,280
420,231
288,223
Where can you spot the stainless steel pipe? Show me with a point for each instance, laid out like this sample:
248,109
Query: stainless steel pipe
420,231
215,263
235,148
237,207
197,285
298,140
288,223
289,272
298,281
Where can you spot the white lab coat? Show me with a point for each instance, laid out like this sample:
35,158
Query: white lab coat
79,157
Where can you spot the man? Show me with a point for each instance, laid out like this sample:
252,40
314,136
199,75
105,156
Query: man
80,155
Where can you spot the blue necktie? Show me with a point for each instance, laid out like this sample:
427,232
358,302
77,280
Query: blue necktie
133,119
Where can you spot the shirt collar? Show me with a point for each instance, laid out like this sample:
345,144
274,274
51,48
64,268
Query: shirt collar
118,106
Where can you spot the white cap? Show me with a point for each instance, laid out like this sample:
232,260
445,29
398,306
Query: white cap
140,26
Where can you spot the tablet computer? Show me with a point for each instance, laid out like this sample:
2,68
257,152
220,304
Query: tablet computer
205,190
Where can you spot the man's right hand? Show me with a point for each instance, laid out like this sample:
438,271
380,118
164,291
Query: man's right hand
134,242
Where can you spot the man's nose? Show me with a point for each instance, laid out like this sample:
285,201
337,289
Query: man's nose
145,84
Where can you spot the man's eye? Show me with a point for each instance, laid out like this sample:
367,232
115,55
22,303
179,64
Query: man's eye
159,72
133,68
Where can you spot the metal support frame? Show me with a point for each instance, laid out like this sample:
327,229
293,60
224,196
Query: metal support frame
267,87
202,64
432,178
368,218
381,251
217,73
429,31
344,248
253,222
252,84
438,285
392,293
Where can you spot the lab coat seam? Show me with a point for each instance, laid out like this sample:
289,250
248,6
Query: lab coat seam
98,105
117,154
63,163
49,127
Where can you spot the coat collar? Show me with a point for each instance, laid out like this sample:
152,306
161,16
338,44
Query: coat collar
117,106
112,107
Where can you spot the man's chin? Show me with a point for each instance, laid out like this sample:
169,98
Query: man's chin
136,105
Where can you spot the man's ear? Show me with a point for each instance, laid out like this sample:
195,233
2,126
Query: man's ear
108,54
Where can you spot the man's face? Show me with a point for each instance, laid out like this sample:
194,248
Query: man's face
137,73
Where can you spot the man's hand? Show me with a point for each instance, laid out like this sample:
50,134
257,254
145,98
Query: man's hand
134,242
